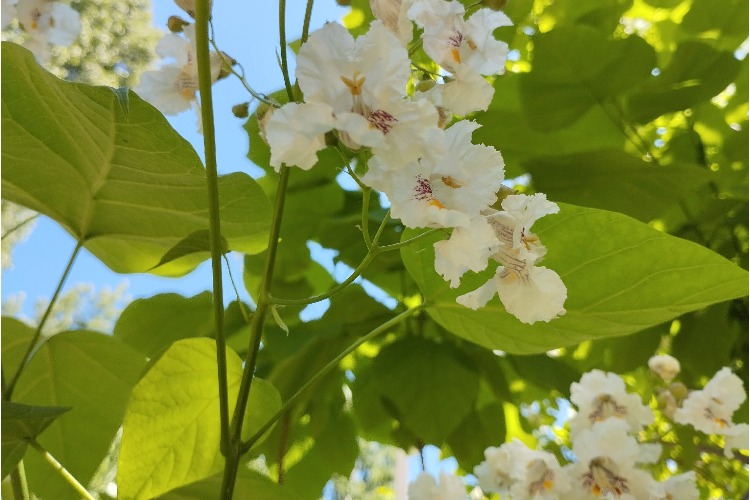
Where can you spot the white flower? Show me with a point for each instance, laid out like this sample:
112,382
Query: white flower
606,465
458,44
296,132
364,83
467,249
680,487
467,94
172,88
538,477
426,488
393,14
736,437
528,292
601,396
8,12
710,410
494,473
442,190
466,48
665,366
48,23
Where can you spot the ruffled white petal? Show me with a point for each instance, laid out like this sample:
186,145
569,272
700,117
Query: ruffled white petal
537,297
296,132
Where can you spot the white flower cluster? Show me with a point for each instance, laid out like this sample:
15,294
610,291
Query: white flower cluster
603,434
172,88
434,177
47,23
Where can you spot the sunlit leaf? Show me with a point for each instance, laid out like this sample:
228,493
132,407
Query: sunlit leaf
21,423
171,428
622,276
114,174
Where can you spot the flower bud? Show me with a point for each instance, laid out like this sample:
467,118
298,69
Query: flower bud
666,402
226,66
240,110
679,391
665,366
187,5
175,24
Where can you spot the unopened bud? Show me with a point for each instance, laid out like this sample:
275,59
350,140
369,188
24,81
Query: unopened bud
495,4
176,24
667,402
226,66
665,366
187,5
240,110
679,391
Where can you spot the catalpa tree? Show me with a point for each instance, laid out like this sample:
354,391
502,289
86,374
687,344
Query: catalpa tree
549,200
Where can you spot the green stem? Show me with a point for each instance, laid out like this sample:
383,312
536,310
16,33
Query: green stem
282,42
371,255
202,16
333,291
19,225
256,331
306,22
243,309
327,368
366,217
397,246
18,482
8,391
67,476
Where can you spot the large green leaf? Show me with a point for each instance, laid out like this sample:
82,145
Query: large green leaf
615,180
424,386
93,374
506,126
575,68
107,166
171,429
696,73
20,423
150,325
250,485
622,276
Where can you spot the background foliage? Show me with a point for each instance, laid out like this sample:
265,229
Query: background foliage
631,113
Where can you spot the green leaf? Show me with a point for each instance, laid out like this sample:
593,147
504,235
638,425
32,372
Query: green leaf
696,73
480,429
171,429
425,386
119,179
16,339
724,21
195,242
250,485
150,325
20,423
93,374
622,277
575,68
614,180
330,449
506,127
